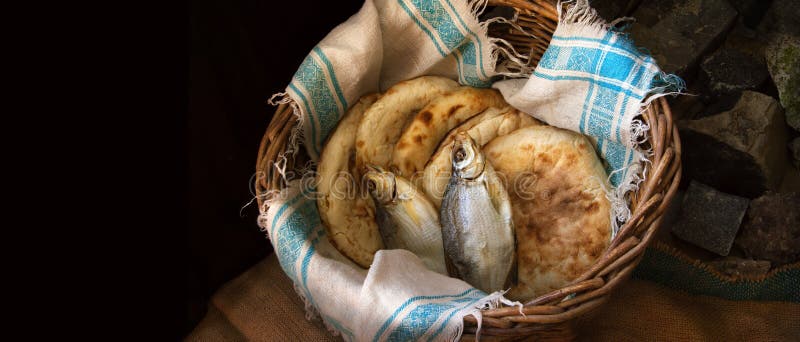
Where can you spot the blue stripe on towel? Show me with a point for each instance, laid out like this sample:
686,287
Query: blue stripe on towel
335,82
409,302
421,26
475,38
454,40
434,13
589,79
311,76
420,319
306,104
453,313
292,234
286,205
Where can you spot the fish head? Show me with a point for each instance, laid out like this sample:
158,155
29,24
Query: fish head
468,161
381,184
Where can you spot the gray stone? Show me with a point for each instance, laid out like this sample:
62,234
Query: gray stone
673,212
741,268
741,151
794,146
612,9
730,71
710,218
750,11
791,180
783,61
781,30
678,33
771,230
748,41
738,65
783,18
650,12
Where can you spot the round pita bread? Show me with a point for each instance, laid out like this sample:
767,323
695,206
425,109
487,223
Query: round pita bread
347,213
431,124
482,128
561,214
384,121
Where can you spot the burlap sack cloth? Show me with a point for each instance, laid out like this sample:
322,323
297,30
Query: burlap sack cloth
261,305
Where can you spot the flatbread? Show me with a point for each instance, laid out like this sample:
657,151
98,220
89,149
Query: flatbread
431,124
561,214
347,213
482,128
383,122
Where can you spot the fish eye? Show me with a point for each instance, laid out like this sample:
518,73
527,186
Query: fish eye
460,155
371,185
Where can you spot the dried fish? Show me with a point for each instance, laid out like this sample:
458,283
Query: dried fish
406,218
476,220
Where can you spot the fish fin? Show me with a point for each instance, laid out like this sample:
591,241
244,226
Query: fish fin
386,227
497,192
451,268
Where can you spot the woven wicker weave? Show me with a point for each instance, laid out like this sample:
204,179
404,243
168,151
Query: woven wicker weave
548,316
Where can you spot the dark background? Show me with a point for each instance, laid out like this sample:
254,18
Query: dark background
241,52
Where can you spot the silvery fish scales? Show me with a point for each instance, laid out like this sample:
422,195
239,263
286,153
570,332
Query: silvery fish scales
406,218
477,230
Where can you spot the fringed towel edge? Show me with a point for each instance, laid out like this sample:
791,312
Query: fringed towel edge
589,22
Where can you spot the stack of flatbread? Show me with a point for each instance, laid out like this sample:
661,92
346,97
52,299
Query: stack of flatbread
554,179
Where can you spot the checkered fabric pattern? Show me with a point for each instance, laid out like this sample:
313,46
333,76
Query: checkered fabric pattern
615,78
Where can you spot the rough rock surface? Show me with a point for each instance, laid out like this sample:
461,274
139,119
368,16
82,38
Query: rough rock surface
741,151
791,180
783,61
783,17
771,230
750,11
678,33
710,218
781,29
738,65
794,146
748,41
731,71
612,9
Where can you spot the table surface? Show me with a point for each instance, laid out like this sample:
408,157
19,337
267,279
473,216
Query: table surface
261,305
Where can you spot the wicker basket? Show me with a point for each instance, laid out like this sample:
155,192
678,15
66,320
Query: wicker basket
548,316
